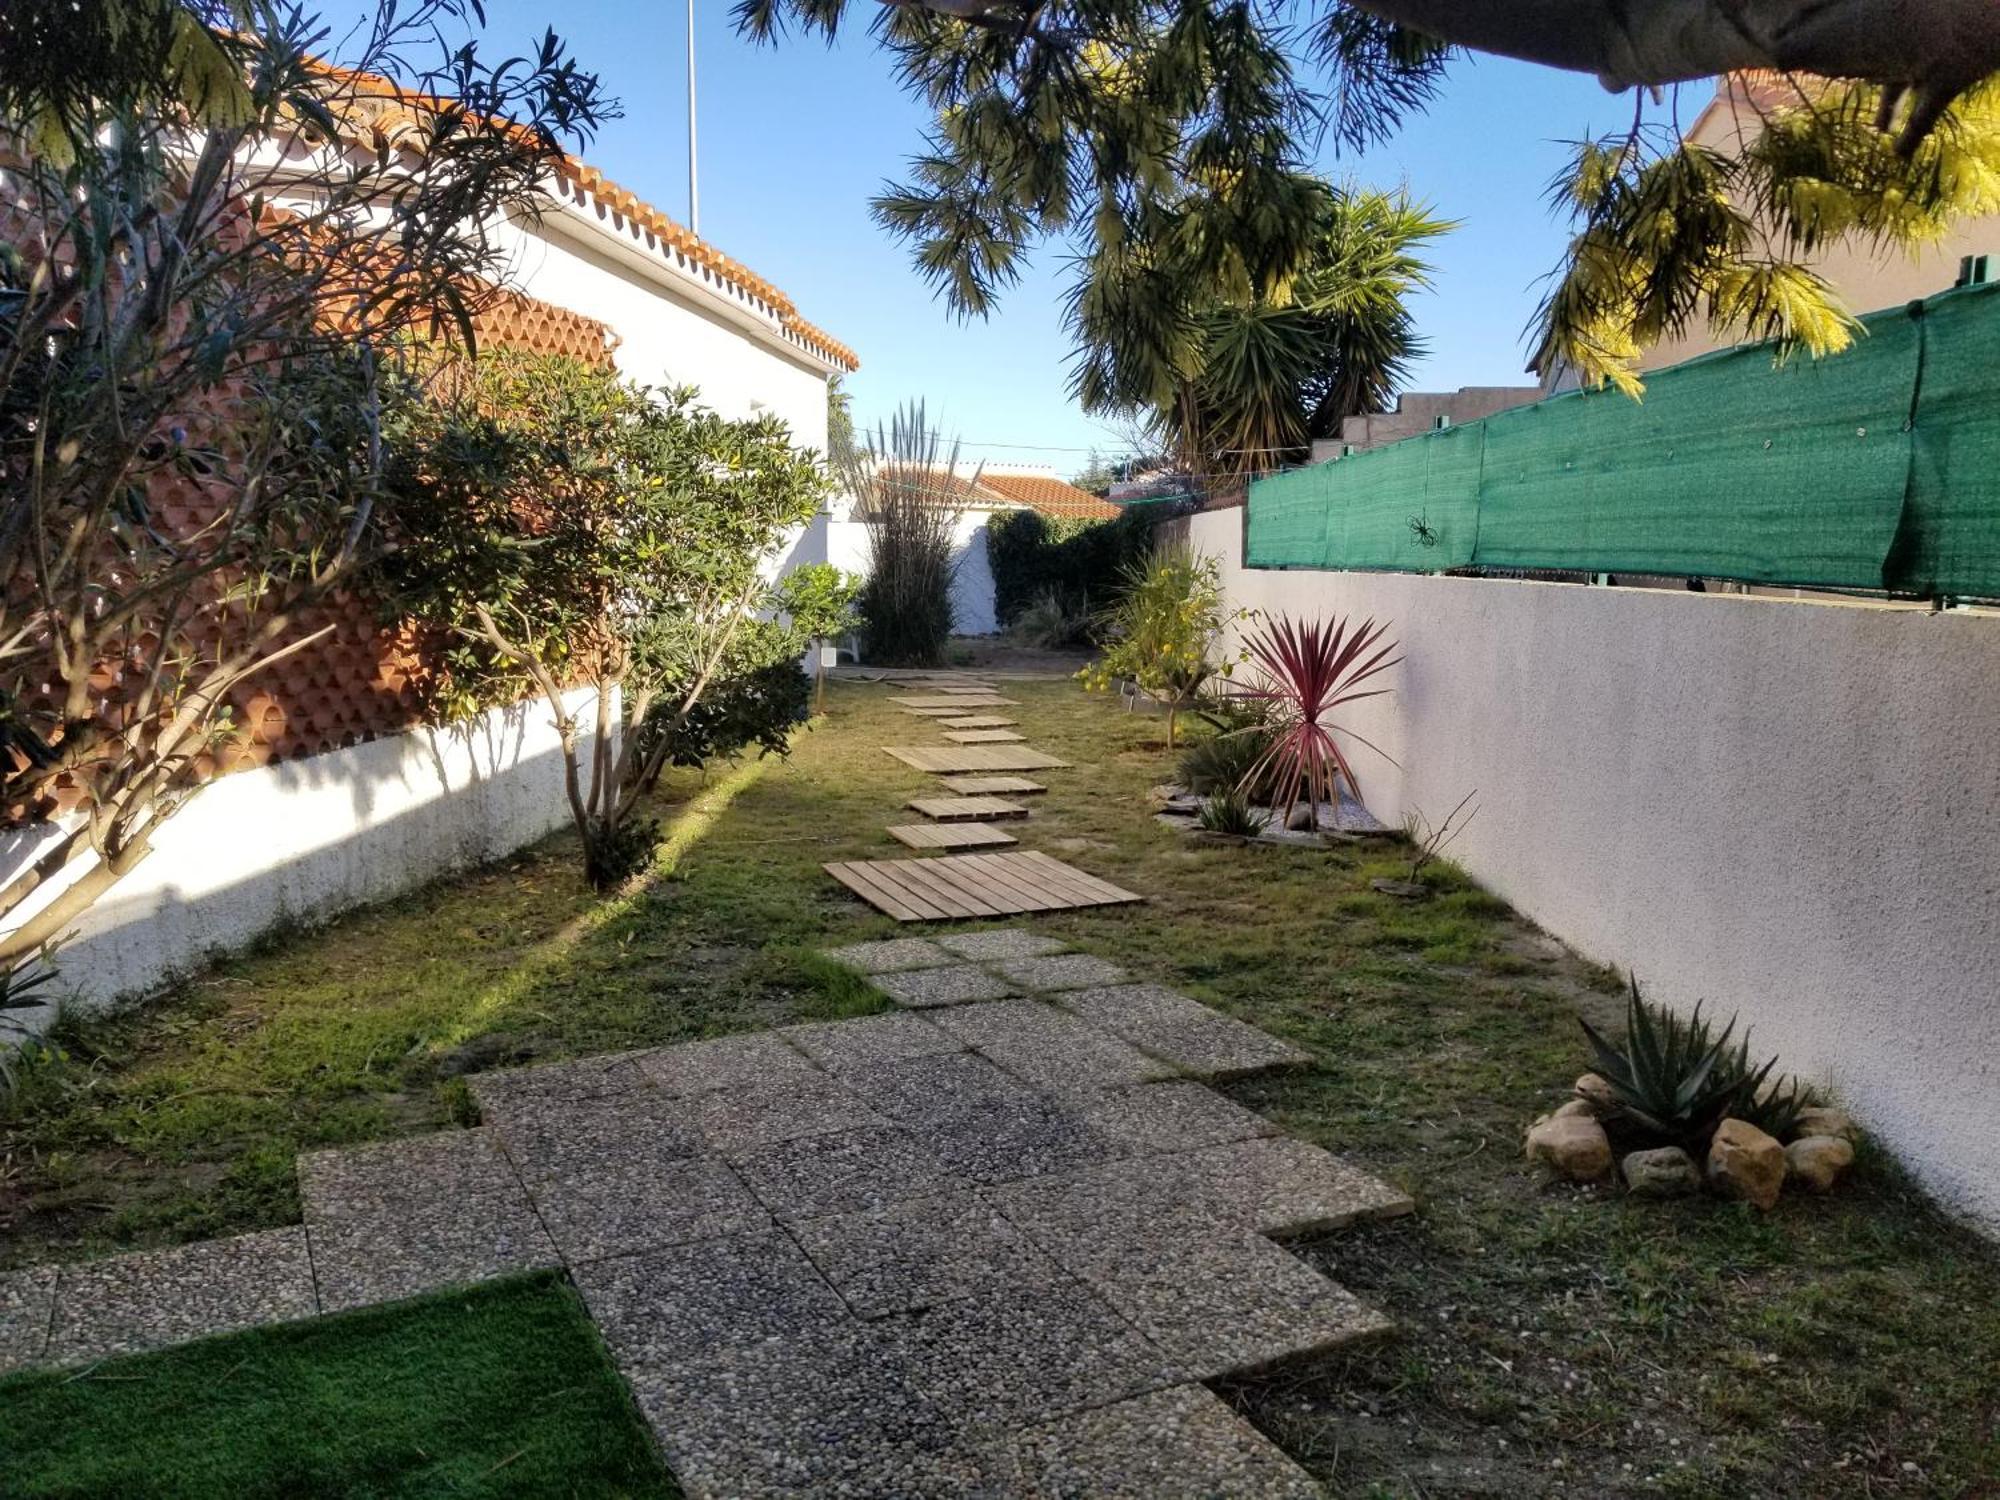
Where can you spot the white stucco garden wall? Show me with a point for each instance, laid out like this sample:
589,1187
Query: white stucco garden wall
305,839
1790,810
844,543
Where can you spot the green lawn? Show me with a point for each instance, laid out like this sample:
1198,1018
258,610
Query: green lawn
497,1392
1551,1338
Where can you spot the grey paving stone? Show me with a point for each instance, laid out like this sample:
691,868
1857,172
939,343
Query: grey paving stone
392,1220
836,1411
1173,1116
843,1046
915,1254
1008,942
679,1306
843,1172
1287,1188
1065,971
1028,1354
616,1211
1196,1039
583,1078
549,1136
1218,1299
890,956
1179,1444
738,1121
27,1302
727,1062
1049,1048
957,985
983,1123
158,1297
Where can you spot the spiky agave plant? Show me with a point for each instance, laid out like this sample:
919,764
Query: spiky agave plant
1676,1077
1308,671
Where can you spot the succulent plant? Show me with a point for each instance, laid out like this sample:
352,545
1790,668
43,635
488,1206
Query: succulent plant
1677,1078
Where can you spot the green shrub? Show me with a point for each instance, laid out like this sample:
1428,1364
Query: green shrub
760,708
1033,556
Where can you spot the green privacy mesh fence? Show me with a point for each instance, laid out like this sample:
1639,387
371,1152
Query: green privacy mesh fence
1875,469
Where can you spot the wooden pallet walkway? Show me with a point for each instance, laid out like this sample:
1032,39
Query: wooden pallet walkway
965,809
937,713
974,885
949,759
950,836
985,737
958,700
974,721
993,786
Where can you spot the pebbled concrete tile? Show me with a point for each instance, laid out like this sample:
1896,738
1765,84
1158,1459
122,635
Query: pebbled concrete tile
843,1046
1030,1353
738,1121
608,1212
957,985
843,1172
1173,1116
1196,1039
1049,1048
1285,1187
728,1062
392,1220
131,1303
912,1255
550,1137
584,1078
1008,942
1178,1444
981,1122
1066,971
27,1304
892,955
678,1306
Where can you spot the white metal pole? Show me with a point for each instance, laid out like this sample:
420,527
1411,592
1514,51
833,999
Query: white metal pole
694,187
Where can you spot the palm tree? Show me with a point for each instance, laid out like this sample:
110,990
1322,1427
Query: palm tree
1244,381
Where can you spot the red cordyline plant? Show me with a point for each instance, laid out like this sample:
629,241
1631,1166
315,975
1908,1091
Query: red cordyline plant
1308,671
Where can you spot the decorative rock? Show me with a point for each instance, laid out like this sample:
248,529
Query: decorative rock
1574,1109
1744,1162
1668,1172
1825,1120
1819,1161
1595,1091
1573,1145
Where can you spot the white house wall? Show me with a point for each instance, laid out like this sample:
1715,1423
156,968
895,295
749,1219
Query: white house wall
1789,810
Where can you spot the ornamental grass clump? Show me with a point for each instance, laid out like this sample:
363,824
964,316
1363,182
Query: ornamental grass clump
908,491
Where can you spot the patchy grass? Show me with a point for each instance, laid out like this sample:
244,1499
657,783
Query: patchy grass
1554,1341
497,1392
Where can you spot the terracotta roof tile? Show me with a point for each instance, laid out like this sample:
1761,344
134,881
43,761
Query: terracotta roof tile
1049,495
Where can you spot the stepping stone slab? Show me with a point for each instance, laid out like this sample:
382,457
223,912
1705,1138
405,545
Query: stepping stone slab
1049,1048
1177,1116
951,836
846,1046
1198,1040
961,984
392,1220
1067,971
981,1122
1000,786
951,759
890,956
131,1303
954,712
984,737
1006,942
915,1254
956,701
750,1059
618,1212
948,887
1284,1187
737,1122
691,1302
584,1078
1178,1444
977,721
549,1137
27,1304
963,809
846,1172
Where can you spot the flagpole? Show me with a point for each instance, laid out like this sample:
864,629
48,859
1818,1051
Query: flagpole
694,188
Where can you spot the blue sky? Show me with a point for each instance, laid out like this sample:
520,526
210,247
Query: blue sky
795,139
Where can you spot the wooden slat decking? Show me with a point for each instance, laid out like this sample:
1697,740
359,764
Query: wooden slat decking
957,700
992,786
984,737
951,835
974,885
970,721
945,759
935,713
965,809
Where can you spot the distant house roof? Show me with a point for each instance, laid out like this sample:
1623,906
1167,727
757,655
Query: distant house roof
1047,494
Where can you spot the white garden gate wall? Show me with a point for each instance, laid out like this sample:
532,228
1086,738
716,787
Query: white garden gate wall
1788,809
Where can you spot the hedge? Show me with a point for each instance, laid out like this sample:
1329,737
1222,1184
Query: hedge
1032,555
